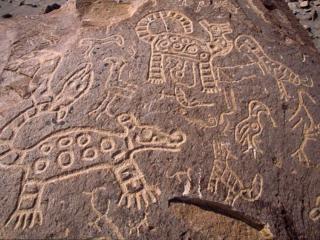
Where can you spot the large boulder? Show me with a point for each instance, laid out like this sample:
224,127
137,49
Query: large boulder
172,119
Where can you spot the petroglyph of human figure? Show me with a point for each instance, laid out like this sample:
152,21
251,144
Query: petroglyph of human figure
79,151
189,62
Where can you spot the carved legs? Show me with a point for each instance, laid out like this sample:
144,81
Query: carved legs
134,186
28,211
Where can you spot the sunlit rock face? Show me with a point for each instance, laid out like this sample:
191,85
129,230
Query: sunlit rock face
172,119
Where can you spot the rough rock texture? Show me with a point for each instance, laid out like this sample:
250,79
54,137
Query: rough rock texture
172,119
308,14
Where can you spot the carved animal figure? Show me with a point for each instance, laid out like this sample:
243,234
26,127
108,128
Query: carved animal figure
78,151
76,84
223,175
248,131
302,117
91,43
180,45
281,73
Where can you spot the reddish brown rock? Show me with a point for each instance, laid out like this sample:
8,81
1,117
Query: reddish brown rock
159,120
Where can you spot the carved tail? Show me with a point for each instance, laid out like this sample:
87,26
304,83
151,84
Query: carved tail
281,72
143,27
252,194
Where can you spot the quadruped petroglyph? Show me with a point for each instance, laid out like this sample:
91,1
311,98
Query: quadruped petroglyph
222,174
80,151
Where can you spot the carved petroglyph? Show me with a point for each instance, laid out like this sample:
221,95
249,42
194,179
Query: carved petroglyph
114,89
134,186
141,226
75,85
103,216
223,175
182,46
79,151
249,130
281,73
315,212
180,176
92,43
311,131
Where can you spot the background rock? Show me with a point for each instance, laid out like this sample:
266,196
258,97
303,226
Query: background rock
170,120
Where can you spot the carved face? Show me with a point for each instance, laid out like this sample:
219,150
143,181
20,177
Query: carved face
151,136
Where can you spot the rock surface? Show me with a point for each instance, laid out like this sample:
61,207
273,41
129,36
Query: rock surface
159,120
308,14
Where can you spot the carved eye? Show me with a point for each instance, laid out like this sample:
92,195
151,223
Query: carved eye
204,55
107,145
255,126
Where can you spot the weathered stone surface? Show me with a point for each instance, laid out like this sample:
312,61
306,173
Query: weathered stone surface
159,120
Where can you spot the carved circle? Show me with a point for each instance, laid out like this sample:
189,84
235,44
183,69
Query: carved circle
41,166
185,40
192,49
65,159
164,44
46,148
107,145
65,141
177,46
204,56
90,154
174,39
83,140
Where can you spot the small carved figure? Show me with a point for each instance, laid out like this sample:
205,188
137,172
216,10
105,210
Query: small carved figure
281,73
249,130
224,175
311,131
